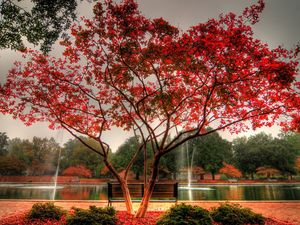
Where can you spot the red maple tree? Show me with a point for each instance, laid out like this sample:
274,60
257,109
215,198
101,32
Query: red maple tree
80,171
145,75
230,171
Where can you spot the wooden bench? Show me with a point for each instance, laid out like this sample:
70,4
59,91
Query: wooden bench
163,192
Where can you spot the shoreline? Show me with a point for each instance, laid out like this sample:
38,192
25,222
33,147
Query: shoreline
204,182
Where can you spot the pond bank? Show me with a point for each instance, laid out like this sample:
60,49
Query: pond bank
280,210
77,180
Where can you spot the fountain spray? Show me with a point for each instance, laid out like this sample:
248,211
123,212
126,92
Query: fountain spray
56,174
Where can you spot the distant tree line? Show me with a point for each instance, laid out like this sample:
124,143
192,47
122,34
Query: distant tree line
264,151
258,155
40,157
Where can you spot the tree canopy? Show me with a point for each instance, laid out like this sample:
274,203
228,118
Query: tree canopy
24,157
3,143
145,75
74,153
263,150
210,152
40,21
80,171
125,153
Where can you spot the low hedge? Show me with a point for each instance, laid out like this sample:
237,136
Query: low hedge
45,211
92,216
234,214
185,215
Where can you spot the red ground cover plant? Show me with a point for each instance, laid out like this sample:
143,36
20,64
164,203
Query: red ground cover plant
20,219
129,219
123,219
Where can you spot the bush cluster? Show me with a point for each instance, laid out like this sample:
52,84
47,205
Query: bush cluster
92,216
185,215
45,211
226,214
234,214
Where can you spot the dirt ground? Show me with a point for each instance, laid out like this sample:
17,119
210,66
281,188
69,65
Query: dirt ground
283,211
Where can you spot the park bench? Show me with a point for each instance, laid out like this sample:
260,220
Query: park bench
163,192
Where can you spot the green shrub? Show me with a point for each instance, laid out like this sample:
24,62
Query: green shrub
44,211
92,216
234,214
185,215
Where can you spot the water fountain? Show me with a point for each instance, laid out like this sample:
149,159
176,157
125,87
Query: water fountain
60,137
189,163
55,176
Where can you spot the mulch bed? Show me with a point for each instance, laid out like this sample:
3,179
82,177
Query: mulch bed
124,219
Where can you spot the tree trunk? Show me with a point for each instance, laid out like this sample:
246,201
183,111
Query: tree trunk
202,177
213,176
126,195
145,167
124,187
149,189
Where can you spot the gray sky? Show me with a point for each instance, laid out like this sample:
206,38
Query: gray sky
279,25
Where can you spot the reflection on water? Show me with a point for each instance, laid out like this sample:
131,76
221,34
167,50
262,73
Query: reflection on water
65,192
196,192
241,192
41,187
193,188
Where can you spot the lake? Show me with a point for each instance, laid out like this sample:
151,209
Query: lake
196,192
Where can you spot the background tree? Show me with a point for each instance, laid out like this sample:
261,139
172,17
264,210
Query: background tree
248,153
280,155
38,156
293,138
267,171
172,162
210,152
21,149
124,154
74,153
3,143
43,156
40,21
262,150
298,164
230,171
11,166
144,75
80,171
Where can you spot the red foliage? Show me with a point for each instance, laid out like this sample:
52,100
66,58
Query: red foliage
267,171
216,73
125,70
80,171
123,219
20,219
230,171
104,170
128,219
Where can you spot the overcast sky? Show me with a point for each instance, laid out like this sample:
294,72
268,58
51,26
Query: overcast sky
279,25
